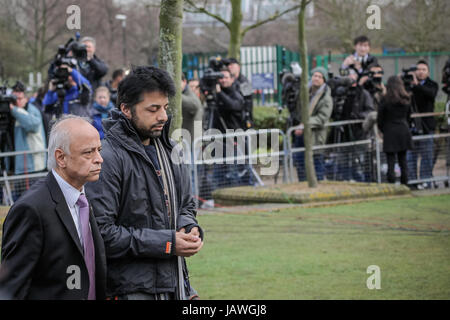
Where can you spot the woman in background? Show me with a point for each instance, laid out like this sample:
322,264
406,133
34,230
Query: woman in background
393,122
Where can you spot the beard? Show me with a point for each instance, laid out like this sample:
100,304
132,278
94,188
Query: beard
145,133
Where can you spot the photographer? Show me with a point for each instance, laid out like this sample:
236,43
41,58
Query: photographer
424,92
75,93
245,88
93,68
358,103
231,103
372,81
361,57
28,133
321,107
393,122
231,108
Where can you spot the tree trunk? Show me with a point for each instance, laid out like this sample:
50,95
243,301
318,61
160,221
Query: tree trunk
234,49
170,52
304,99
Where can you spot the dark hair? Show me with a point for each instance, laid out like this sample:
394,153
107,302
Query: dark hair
183,77
19,87
230,61
225,68
117,73
423,62
396,92
374,65
361,39
143,79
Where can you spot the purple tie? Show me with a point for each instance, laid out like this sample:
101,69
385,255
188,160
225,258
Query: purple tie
88,242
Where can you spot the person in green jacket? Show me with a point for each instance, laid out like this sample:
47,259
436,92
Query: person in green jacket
320,109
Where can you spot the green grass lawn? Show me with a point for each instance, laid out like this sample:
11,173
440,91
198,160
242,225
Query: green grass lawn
323,253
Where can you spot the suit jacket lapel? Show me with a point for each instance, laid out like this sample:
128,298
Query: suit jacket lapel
63,211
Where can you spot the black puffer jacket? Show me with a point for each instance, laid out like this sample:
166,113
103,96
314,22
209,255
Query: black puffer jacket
131,213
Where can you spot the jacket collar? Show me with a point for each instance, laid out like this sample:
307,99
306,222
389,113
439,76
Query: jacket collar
62,209
120,129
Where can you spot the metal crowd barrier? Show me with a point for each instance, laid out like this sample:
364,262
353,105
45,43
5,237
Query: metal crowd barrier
428,163
239,168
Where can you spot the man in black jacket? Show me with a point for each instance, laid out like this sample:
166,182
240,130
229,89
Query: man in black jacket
424,94
230,104
93,68
142,201
361,58
355,165
245,88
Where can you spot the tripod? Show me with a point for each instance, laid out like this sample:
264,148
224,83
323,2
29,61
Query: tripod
222,174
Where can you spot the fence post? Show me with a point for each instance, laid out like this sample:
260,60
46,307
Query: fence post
377,151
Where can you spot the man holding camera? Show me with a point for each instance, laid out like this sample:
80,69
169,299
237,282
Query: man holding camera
357,106
372,81
93,68
424,91
28,133
74,93
245,88
231,109
231,103
361,59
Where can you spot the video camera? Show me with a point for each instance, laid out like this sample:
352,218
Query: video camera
5,100
408,78
211,76
290,80
69,54
372,84
341,89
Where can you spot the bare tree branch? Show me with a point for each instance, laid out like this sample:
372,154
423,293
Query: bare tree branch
203,10
271,18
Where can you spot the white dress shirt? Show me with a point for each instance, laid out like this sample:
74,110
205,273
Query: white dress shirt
71,196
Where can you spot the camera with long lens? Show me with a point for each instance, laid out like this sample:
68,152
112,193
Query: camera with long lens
69,54
211,76
290,81
408,78
372,83
342,88
208,85
6,126
5,115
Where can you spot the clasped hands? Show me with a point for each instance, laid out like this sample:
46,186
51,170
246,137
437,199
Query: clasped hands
187,244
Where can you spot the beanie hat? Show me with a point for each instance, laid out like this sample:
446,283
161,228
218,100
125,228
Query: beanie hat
321,70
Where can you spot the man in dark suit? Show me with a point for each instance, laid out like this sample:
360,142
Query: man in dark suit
361,59
51,246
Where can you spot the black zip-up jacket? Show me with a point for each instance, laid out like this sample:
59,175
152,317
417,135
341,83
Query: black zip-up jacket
231,106
424,97
131,212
